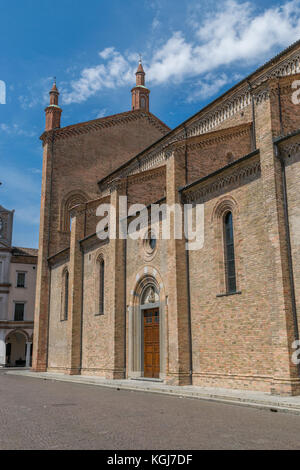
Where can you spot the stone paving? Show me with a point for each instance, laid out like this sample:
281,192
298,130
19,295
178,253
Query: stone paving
239,397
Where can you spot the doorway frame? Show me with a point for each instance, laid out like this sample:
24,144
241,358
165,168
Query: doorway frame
135,363
143,309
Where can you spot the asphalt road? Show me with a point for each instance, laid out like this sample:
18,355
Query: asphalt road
43,414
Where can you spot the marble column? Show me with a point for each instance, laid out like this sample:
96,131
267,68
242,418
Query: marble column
2,348
28,348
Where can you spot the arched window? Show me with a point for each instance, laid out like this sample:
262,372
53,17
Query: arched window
101,286
73,199
229,253
143,102
65,296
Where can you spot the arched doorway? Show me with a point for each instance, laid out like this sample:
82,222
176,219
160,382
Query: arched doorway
150,334
16,348
146,329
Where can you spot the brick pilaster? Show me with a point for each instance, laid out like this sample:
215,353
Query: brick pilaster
75,288
278,288
178,320
117,257
40,343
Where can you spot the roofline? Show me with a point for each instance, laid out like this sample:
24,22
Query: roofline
136,157
58,253
211,103
280,139
104,119
159,201
246,79
220,170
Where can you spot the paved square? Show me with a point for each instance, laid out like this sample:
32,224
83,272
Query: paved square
41,414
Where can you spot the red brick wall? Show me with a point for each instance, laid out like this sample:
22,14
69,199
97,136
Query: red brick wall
80,161
210,154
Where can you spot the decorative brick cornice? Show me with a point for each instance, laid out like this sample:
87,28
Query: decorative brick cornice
291,149
102,123
9,324
92,241
89,207
211,138
24,259
152,159
261,95
142,177
60,257
239,97
160,154
230,179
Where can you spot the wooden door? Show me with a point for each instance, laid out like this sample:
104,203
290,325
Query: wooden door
151,343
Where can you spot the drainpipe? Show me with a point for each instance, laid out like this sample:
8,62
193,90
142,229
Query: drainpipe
125,304
186,156
82,297
288,243
189,313
125,283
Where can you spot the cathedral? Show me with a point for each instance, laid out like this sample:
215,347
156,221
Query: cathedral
223,315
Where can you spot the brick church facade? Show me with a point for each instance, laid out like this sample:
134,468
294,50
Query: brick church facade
224,315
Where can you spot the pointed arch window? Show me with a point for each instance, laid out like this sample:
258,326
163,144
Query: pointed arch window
229,253
65,296
101,286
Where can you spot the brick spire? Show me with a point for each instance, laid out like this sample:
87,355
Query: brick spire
140,75
53,111
140,94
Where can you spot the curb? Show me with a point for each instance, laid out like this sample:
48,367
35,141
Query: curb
262,405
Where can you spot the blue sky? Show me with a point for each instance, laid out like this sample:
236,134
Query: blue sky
192,52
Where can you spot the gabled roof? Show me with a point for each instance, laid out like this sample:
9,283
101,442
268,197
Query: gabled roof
107,121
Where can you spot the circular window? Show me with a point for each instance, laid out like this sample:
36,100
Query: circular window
150,243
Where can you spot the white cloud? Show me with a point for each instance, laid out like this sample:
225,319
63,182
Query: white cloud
155,24
234,33
101,113
16,129
37,93
36,171
107,52
116,72
226,37
208,87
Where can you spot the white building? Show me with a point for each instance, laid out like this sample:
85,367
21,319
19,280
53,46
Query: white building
17,296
